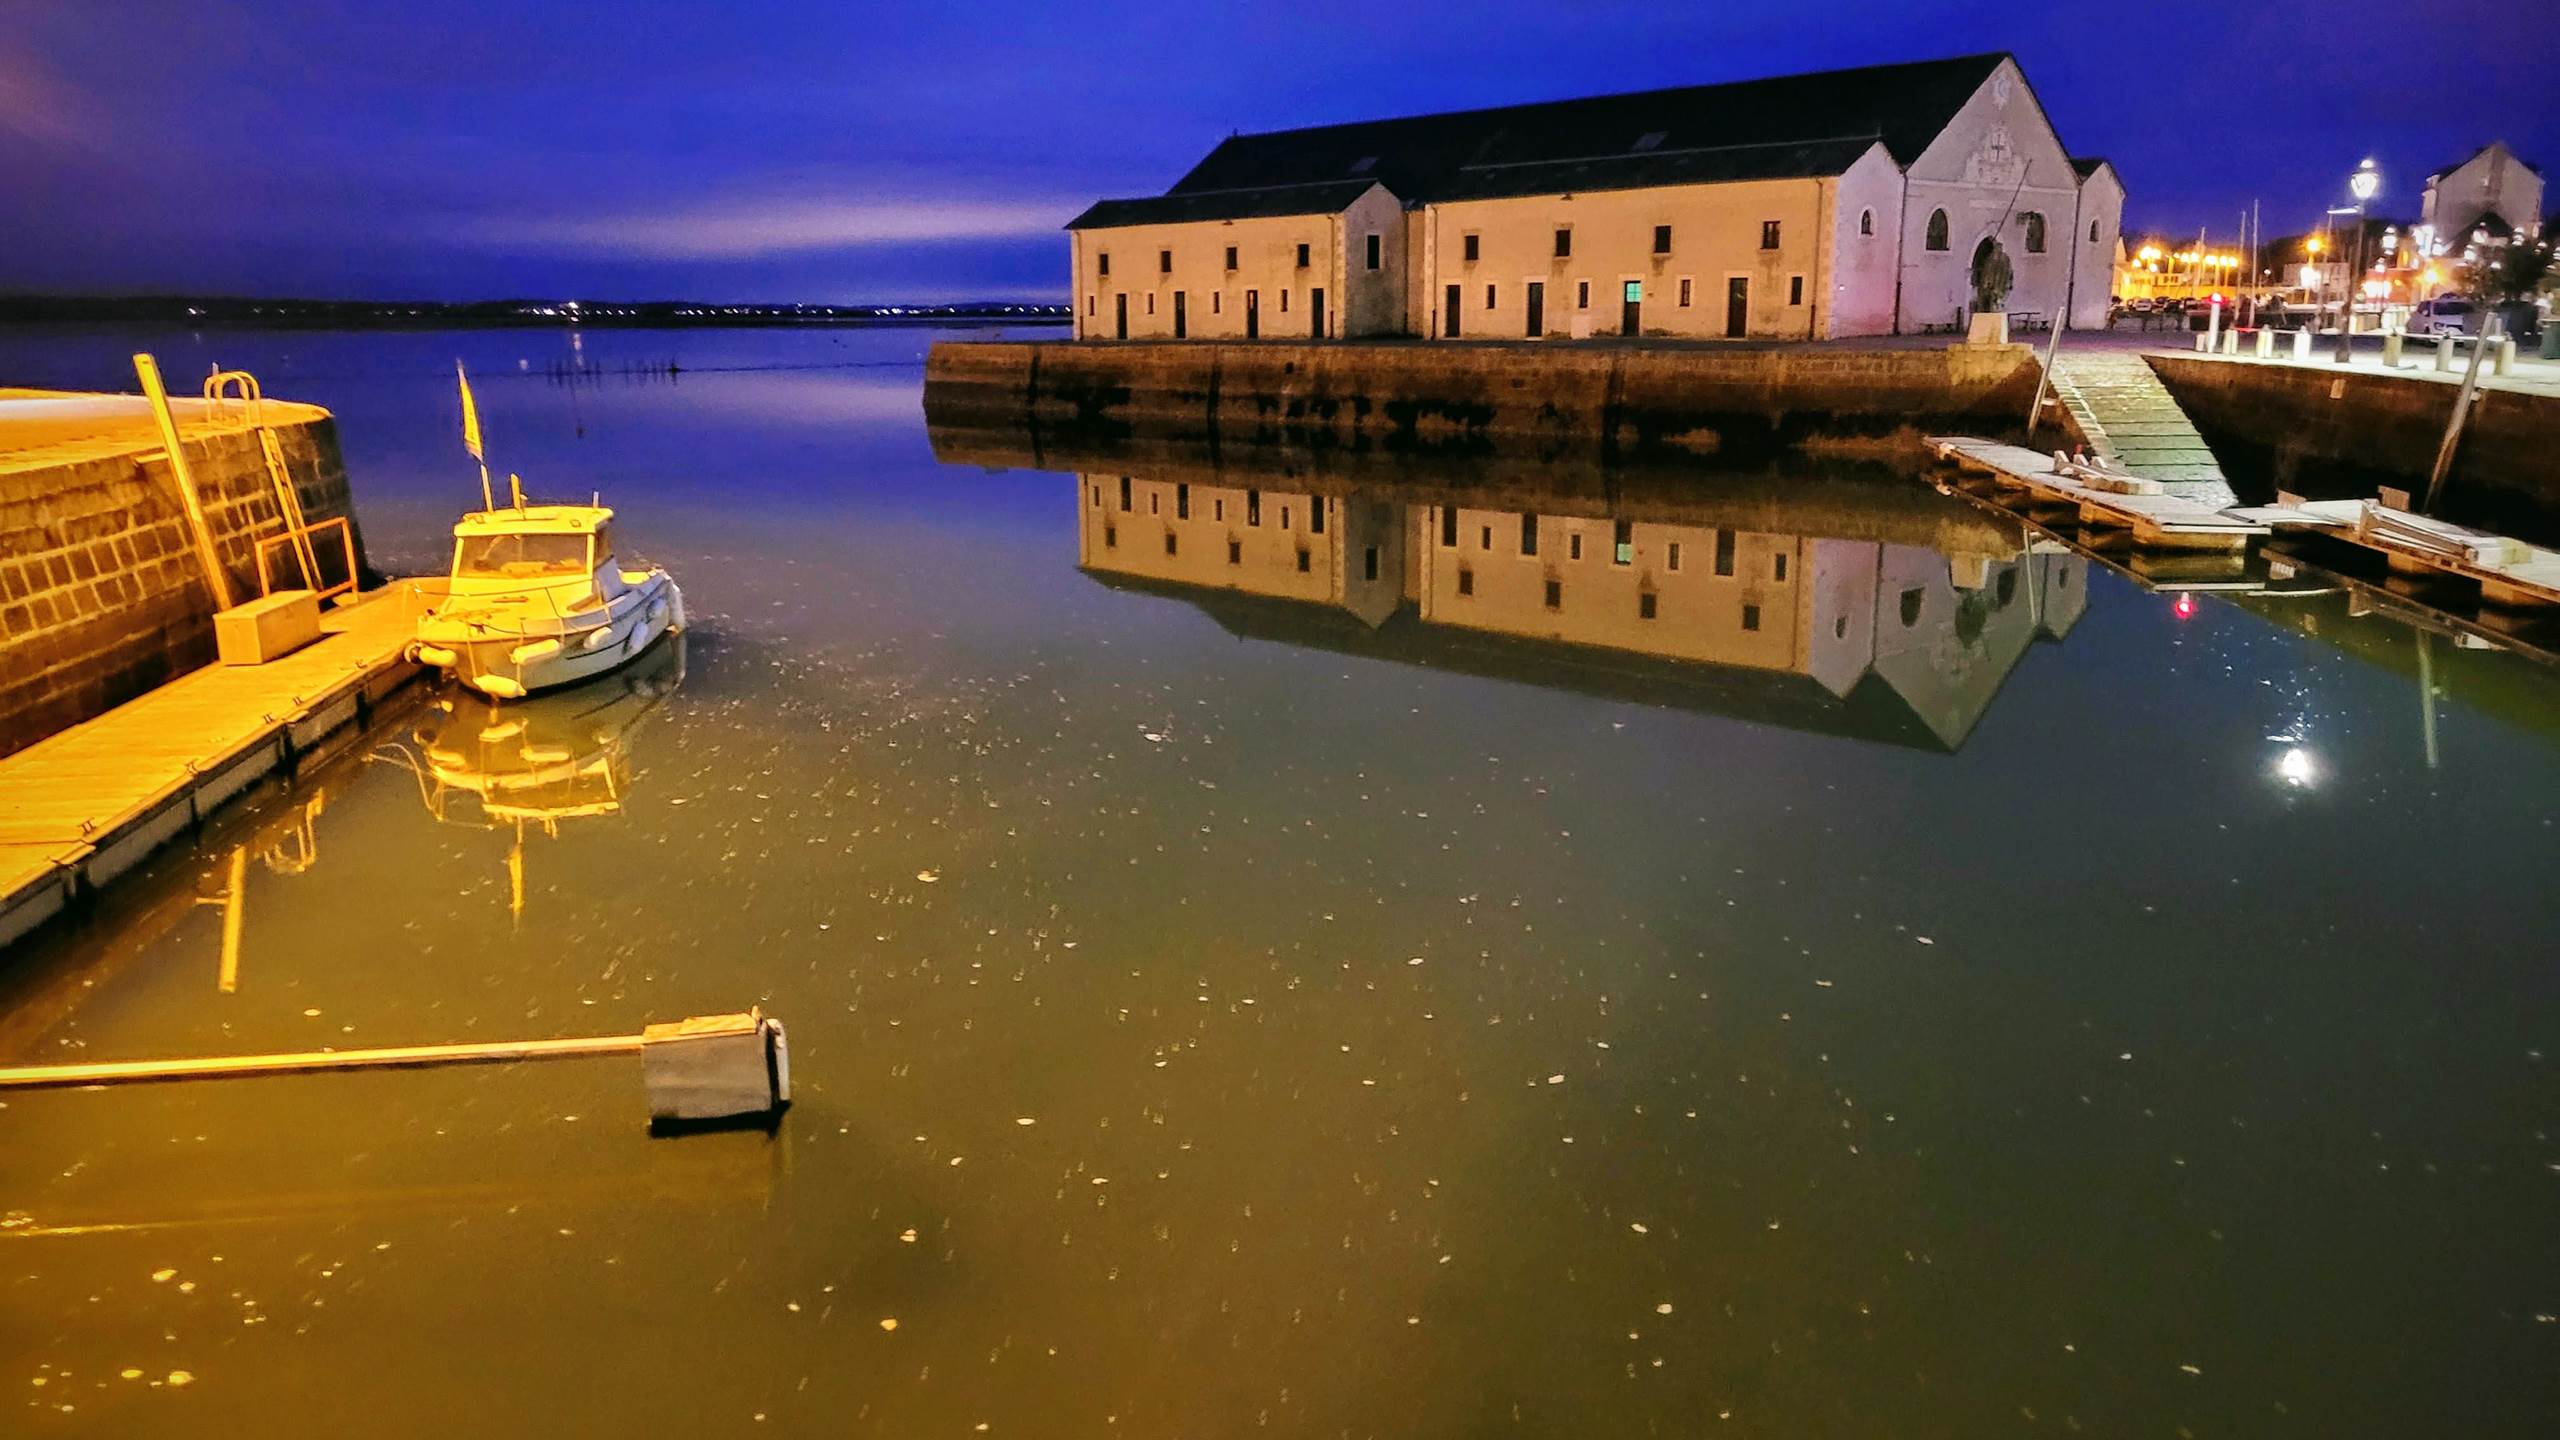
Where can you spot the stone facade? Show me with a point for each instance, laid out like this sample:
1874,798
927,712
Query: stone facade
101,593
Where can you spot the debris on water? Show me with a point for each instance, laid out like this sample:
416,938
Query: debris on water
908,1235
182,1377
928,876
1638,1227
163,1276
889,1322
1662,1309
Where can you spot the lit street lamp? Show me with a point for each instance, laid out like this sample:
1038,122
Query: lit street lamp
2363,184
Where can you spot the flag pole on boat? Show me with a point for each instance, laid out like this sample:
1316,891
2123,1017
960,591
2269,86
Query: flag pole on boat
471,434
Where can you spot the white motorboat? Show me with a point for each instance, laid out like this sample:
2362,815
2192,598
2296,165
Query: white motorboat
538,601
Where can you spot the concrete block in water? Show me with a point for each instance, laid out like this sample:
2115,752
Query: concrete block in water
715,1067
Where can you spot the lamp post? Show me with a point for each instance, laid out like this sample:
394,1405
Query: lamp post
2363,184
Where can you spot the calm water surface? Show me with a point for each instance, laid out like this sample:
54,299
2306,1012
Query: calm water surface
1331,1014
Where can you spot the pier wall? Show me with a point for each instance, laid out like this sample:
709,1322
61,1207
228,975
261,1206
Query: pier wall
1743,405
2334,434
101,594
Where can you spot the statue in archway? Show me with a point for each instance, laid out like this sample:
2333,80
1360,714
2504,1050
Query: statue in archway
1992,277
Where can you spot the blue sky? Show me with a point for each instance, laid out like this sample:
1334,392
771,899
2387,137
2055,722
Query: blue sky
748,150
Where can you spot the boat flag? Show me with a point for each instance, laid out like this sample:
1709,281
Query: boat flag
470,415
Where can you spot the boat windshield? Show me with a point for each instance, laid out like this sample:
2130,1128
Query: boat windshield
519,557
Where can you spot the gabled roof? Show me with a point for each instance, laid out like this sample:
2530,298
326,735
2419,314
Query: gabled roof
1324,198
2476,154
2087,165
1659,167
1426,157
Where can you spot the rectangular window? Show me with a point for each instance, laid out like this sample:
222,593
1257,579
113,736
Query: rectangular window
1369,563
1778,566
1474,248
1231,259
1485,541
1164,262
1795,289
1182,501
1151,302
1466,581
1488,297
1625,538
1573,546
1097,497
1110,537
1768,234
1235,552
1564,243
1284,517
1750,617
1284,302
1216,301
1675,555
1168,542
1684,292
1315,516
1302,258
1124,493
1661,239
1253,507
1724,552
1644,605
1092,305
1217,509
1155,504
1582,295
1103,260
1555,594
1528,533
1377,253
1302,562
1449,527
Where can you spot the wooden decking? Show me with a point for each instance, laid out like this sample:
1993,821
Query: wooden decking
2158,520
82,807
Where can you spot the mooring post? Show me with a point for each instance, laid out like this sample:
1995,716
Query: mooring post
2461,412
147,370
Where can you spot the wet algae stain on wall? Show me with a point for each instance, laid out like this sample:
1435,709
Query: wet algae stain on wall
1744,405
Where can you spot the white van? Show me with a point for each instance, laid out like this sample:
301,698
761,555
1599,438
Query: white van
2449,315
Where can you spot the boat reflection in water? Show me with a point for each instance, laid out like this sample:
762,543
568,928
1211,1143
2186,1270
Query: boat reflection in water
533,763
1883,612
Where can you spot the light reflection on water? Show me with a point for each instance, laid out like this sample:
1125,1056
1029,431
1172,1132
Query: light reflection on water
1411,994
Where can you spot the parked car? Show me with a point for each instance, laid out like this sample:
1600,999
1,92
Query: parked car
2447,315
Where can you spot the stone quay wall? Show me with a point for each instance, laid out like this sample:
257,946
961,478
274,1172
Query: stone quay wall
102,596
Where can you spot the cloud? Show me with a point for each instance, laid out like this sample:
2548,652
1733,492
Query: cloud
757,229
36,105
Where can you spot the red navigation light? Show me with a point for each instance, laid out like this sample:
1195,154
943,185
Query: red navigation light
2185,606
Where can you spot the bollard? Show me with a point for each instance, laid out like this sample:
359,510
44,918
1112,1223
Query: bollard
2506,355
707,1068
2302,344
2445,346
2231,342
2391,349
2204,343
2266,343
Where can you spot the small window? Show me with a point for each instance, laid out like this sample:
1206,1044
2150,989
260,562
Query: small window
1488,297
1674,560
1369,563
1235,552
1555,594
1750,617
1840,628
1564,242
1573,547
1778,567
1936,236
1302,562
1231,259
1168,542
1768,234
1724,552
1217,509
1284,302
1582,295
2034,223
1635,291
1795,289
1182,501
1377,252
1155,504
1110,537
1474,248
2093,232
1684,292
1302,254
1097,497
1910,608
1485,541
2006,590
1164,262
1103,259
1644,605
1124,493
1625,538
1092,304
1284,517
1661,239
1866,222
1151,302
1253,507
1449,527
1215,297
1528,533
1315,516
1466,581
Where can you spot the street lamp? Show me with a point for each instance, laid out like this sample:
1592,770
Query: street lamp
2362,185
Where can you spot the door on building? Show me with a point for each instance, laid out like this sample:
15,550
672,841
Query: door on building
1120,316
1253,314
1315,312
1537,308
1737,306
1181,316
1631,310
1449,314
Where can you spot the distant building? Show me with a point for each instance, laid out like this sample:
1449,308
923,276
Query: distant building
2491,198
1852,202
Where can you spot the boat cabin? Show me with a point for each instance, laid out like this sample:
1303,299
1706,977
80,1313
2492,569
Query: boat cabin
545,547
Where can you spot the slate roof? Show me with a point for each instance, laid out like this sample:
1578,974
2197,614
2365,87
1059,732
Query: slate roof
2529,166
1329,197
1428,157
1657,167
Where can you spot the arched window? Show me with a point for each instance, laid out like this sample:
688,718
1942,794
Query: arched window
2093,232
1937,236
1910,608
2034,220
1866,222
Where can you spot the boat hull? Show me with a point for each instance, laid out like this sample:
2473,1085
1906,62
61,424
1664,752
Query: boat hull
508,665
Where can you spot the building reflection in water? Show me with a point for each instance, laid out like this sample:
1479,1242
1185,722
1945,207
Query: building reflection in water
530,764
1905,643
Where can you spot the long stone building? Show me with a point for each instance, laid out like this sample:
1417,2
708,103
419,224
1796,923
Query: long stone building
1851,202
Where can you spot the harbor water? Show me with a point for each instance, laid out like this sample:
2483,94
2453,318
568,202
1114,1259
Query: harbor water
1986,996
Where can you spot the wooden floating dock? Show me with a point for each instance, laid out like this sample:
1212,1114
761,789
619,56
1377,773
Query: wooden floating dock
82,807
2150,515
2510,573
